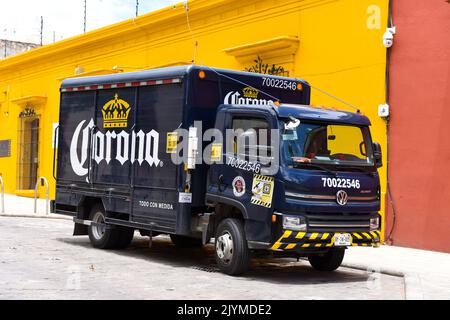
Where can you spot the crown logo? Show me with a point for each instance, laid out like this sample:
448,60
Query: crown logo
250,92
115,113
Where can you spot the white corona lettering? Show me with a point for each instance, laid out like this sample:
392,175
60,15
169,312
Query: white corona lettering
122,147
77,163
99,147
236,98
109,137
141,136
144,147
151,148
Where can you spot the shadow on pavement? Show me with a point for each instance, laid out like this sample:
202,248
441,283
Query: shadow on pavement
272,270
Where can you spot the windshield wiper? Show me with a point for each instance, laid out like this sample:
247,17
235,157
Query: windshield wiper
309,164
358,169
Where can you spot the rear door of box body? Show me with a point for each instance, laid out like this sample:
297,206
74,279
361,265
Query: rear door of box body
77,115
112,145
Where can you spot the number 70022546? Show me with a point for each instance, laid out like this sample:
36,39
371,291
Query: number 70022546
341,183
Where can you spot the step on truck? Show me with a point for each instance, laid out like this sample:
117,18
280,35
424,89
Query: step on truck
210,155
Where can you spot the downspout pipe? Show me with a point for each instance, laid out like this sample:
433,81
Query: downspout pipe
389,239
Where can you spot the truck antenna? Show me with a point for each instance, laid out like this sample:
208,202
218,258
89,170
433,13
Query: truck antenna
336,98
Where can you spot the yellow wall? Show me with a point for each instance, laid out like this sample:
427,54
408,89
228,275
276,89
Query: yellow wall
334,44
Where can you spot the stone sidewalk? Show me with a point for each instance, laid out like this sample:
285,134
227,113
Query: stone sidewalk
24,207
426,273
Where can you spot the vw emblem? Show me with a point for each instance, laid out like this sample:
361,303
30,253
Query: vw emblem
342,198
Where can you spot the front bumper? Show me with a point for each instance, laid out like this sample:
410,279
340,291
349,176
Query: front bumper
294,240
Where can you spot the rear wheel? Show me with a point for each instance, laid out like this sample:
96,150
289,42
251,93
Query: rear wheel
107,237
329,261
231,249
186,242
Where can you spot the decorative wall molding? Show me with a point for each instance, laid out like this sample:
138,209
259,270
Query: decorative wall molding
34,100
28,113
265,68
270,48
274,56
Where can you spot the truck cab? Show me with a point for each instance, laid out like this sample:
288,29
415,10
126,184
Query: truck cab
320,196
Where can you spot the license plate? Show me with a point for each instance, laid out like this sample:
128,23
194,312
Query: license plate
343,240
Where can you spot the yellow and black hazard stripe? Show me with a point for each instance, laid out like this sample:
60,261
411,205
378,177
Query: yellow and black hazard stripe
296,240
261,203
263,178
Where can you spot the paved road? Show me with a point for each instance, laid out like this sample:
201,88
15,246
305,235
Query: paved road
39,259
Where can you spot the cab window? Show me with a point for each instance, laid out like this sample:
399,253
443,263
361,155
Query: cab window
251,139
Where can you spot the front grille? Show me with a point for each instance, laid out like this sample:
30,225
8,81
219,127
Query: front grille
347,222
327,198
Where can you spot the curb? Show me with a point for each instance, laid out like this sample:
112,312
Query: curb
36,216
386,271
412,282
413,287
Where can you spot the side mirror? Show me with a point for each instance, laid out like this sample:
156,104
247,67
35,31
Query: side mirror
378,155
293,124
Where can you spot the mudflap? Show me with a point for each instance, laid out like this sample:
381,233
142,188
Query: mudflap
80,230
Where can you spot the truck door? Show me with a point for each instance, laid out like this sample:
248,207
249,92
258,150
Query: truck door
241,179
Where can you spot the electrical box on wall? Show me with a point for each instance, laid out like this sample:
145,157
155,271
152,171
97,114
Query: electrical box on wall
383,111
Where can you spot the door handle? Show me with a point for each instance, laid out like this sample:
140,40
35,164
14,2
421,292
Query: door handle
221,184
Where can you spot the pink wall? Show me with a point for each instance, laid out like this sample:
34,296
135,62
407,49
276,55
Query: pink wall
420,124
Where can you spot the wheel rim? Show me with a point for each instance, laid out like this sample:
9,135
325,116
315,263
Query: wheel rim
98,230
224,247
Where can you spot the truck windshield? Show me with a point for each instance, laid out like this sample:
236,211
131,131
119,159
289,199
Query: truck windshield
328,144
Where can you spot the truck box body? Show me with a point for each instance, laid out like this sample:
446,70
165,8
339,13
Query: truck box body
113,138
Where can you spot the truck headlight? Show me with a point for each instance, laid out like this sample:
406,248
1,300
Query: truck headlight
294,223
374,224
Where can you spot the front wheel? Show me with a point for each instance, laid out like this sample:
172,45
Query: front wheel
231,249
329,261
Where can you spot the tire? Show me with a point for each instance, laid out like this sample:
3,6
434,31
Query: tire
329,261
125,238
113,237
186,242
231,249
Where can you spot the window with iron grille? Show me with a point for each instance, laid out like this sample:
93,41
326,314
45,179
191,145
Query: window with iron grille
28,150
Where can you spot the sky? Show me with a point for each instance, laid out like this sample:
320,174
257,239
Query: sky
20,20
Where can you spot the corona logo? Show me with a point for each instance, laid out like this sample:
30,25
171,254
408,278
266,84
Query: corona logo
251,93
122,147
250,98
115,113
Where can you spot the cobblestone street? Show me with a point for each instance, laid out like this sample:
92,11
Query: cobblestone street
39,259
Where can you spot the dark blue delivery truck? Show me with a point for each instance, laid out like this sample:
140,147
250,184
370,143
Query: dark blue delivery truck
205,154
